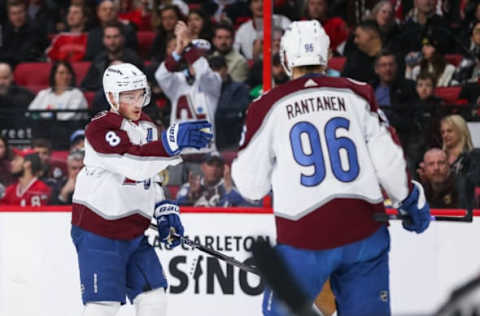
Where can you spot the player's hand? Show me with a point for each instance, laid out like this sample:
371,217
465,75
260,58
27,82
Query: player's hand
183,36
417,207
168,222
190,134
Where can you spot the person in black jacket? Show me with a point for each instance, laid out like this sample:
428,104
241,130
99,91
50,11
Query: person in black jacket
107,13
233,103
21,40
361,59
114,41
14,101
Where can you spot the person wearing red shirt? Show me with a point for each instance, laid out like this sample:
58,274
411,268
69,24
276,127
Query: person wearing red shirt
72,44
28,190
335,27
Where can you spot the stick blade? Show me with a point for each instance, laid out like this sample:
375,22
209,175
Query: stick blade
280,280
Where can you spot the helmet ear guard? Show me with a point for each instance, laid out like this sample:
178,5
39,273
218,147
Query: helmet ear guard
304,43
124,77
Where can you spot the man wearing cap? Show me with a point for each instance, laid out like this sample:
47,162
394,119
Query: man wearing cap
63,190
194,91
28,190
77,140
212,187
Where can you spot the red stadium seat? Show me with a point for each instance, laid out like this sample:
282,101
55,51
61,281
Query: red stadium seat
454,59
449,94
81,69
90,96
59,156
145,41
32,74
337,63
173,190
229,155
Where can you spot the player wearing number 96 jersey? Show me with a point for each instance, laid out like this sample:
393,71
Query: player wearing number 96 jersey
325,150
118,192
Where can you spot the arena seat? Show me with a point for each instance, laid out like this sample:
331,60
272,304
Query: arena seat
23,73
229,155
454,59
449,94
337,63
90,96
81,69
32,74
59,155
145,41
173,190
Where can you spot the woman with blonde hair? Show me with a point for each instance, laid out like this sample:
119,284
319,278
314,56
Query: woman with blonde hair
456,139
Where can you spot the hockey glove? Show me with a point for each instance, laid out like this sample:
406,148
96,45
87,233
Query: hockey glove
168,222
417,207
196,134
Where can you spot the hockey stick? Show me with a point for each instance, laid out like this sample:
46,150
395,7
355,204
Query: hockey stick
214,253
280,280
384,217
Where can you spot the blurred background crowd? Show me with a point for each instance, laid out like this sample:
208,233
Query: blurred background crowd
422,57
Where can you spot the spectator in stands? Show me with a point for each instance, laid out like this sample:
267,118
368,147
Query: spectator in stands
456,140
394,94
21,40
136,12
192,87
383,14
438,180
360,61
252,30
77,140
434,62
115,50
199,24
335,27
469,69
180,4
212,187
28,190
223,45
422,121
391,89
43,14
62,94
72,44
107,14
63,191
14,100
420,20
429,109
6,178
51,170
231,108
169,15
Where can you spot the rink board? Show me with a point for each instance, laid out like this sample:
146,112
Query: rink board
39,274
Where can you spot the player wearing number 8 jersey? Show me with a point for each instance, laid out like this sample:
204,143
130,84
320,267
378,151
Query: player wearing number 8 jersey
118,192
324,149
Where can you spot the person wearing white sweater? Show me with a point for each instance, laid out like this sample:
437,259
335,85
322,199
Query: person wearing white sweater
61,95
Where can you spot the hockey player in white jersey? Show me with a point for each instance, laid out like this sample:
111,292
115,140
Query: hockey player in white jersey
117,193
324,149
193,91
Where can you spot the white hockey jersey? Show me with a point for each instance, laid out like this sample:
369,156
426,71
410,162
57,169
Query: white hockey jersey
190,102
322,146
116,191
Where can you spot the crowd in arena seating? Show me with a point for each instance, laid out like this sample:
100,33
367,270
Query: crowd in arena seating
422,58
